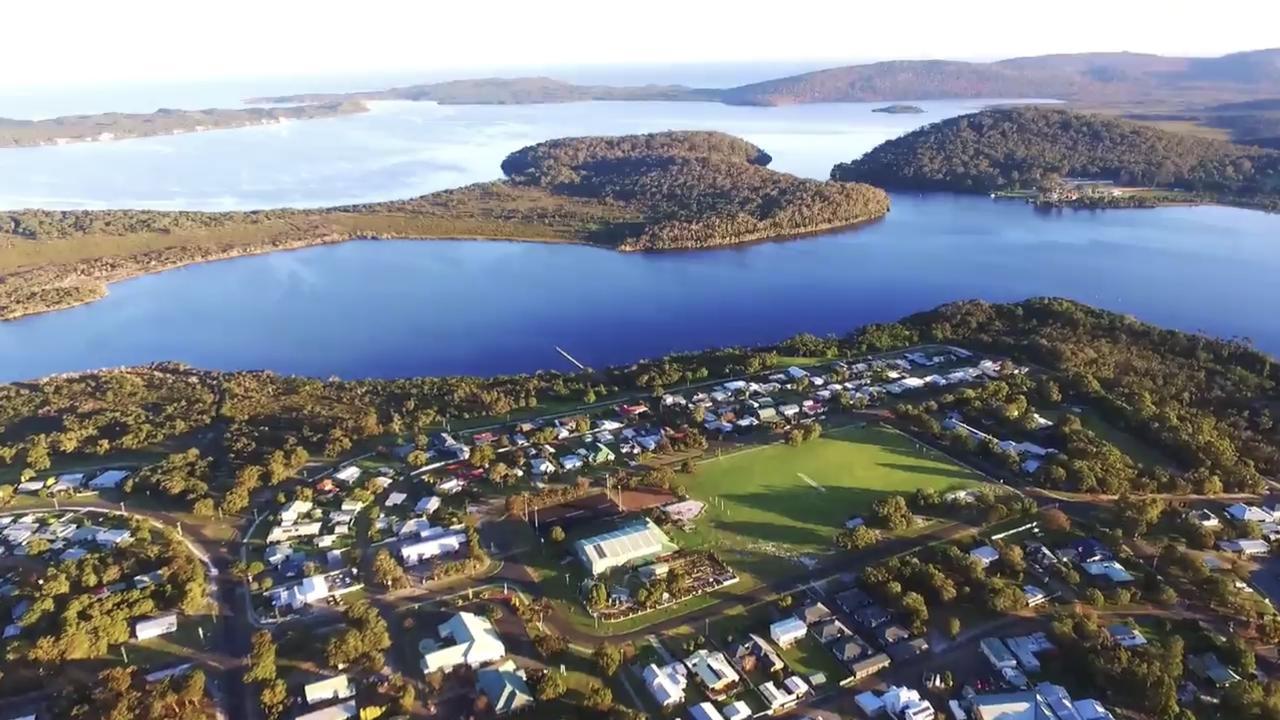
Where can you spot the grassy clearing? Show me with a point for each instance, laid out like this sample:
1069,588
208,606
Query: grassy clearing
763,514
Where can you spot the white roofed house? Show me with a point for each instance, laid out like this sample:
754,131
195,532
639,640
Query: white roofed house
505,687
985,555
348,474
155,627
475,643
311,590
108,479
788,631
338,687
428,505
666,684
1251,513
638,541
112,538
433,543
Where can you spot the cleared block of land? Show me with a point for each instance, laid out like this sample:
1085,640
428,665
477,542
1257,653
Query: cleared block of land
763,503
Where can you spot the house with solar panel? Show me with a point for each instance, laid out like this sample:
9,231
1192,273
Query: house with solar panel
626,545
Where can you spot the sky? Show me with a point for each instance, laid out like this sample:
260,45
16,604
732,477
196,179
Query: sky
68,43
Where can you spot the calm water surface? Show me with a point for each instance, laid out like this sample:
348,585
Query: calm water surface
393,308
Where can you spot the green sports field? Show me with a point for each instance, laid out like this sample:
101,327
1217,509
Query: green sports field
786,503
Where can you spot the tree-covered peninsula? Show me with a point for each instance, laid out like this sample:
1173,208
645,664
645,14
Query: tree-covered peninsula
1024,148
122,126
641,192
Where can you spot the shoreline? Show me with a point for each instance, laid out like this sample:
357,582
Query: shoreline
101,284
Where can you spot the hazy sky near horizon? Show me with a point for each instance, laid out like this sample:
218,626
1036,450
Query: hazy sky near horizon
80,42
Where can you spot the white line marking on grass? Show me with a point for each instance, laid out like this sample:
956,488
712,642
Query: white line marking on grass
809,480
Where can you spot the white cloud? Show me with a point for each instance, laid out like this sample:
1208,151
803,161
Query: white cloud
78,42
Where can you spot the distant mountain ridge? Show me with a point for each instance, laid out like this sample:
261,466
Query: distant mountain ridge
1118,77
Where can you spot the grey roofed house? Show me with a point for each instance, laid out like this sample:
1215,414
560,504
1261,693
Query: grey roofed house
851,648
870,665
505,687
814,613
871,617
853,599
1209,667
889,633
830,630
908,649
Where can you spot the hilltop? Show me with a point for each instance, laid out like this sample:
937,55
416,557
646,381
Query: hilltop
1022,148
639,192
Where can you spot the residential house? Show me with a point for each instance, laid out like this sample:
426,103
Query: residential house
1125,635
755,653
871,617
1204,518
788,631
713,672
907,649
853,599
108,479
891,633
851,649
1108,569
113,538
1248,548
542,466
280,533
906,704
666,684
869,665
348,474
155,627
311,590
1249,513
997,653
1209,668
830,630
814,613
1034,595
986,555
705,711
505,687
338,687
427,505
432,543
600,454
571,462
475,643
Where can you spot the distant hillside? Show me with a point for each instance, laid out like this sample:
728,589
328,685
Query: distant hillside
1089,77
504,91
122,126
1020,148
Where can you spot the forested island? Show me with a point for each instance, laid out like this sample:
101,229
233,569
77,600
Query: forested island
1036,148
122,126
639,192
899,109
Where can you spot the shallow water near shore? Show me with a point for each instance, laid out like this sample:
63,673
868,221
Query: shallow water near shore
402,307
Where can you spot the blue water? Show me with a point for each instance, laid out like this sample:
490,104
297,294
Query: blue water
403,149
405,308
394,308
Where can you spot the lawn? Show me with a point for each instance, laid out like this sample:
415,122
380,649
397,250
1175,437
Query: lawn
764,512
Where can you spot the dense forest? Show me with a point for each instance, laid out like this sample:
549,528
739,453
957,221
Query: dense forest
665,190
695,188
1022,148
